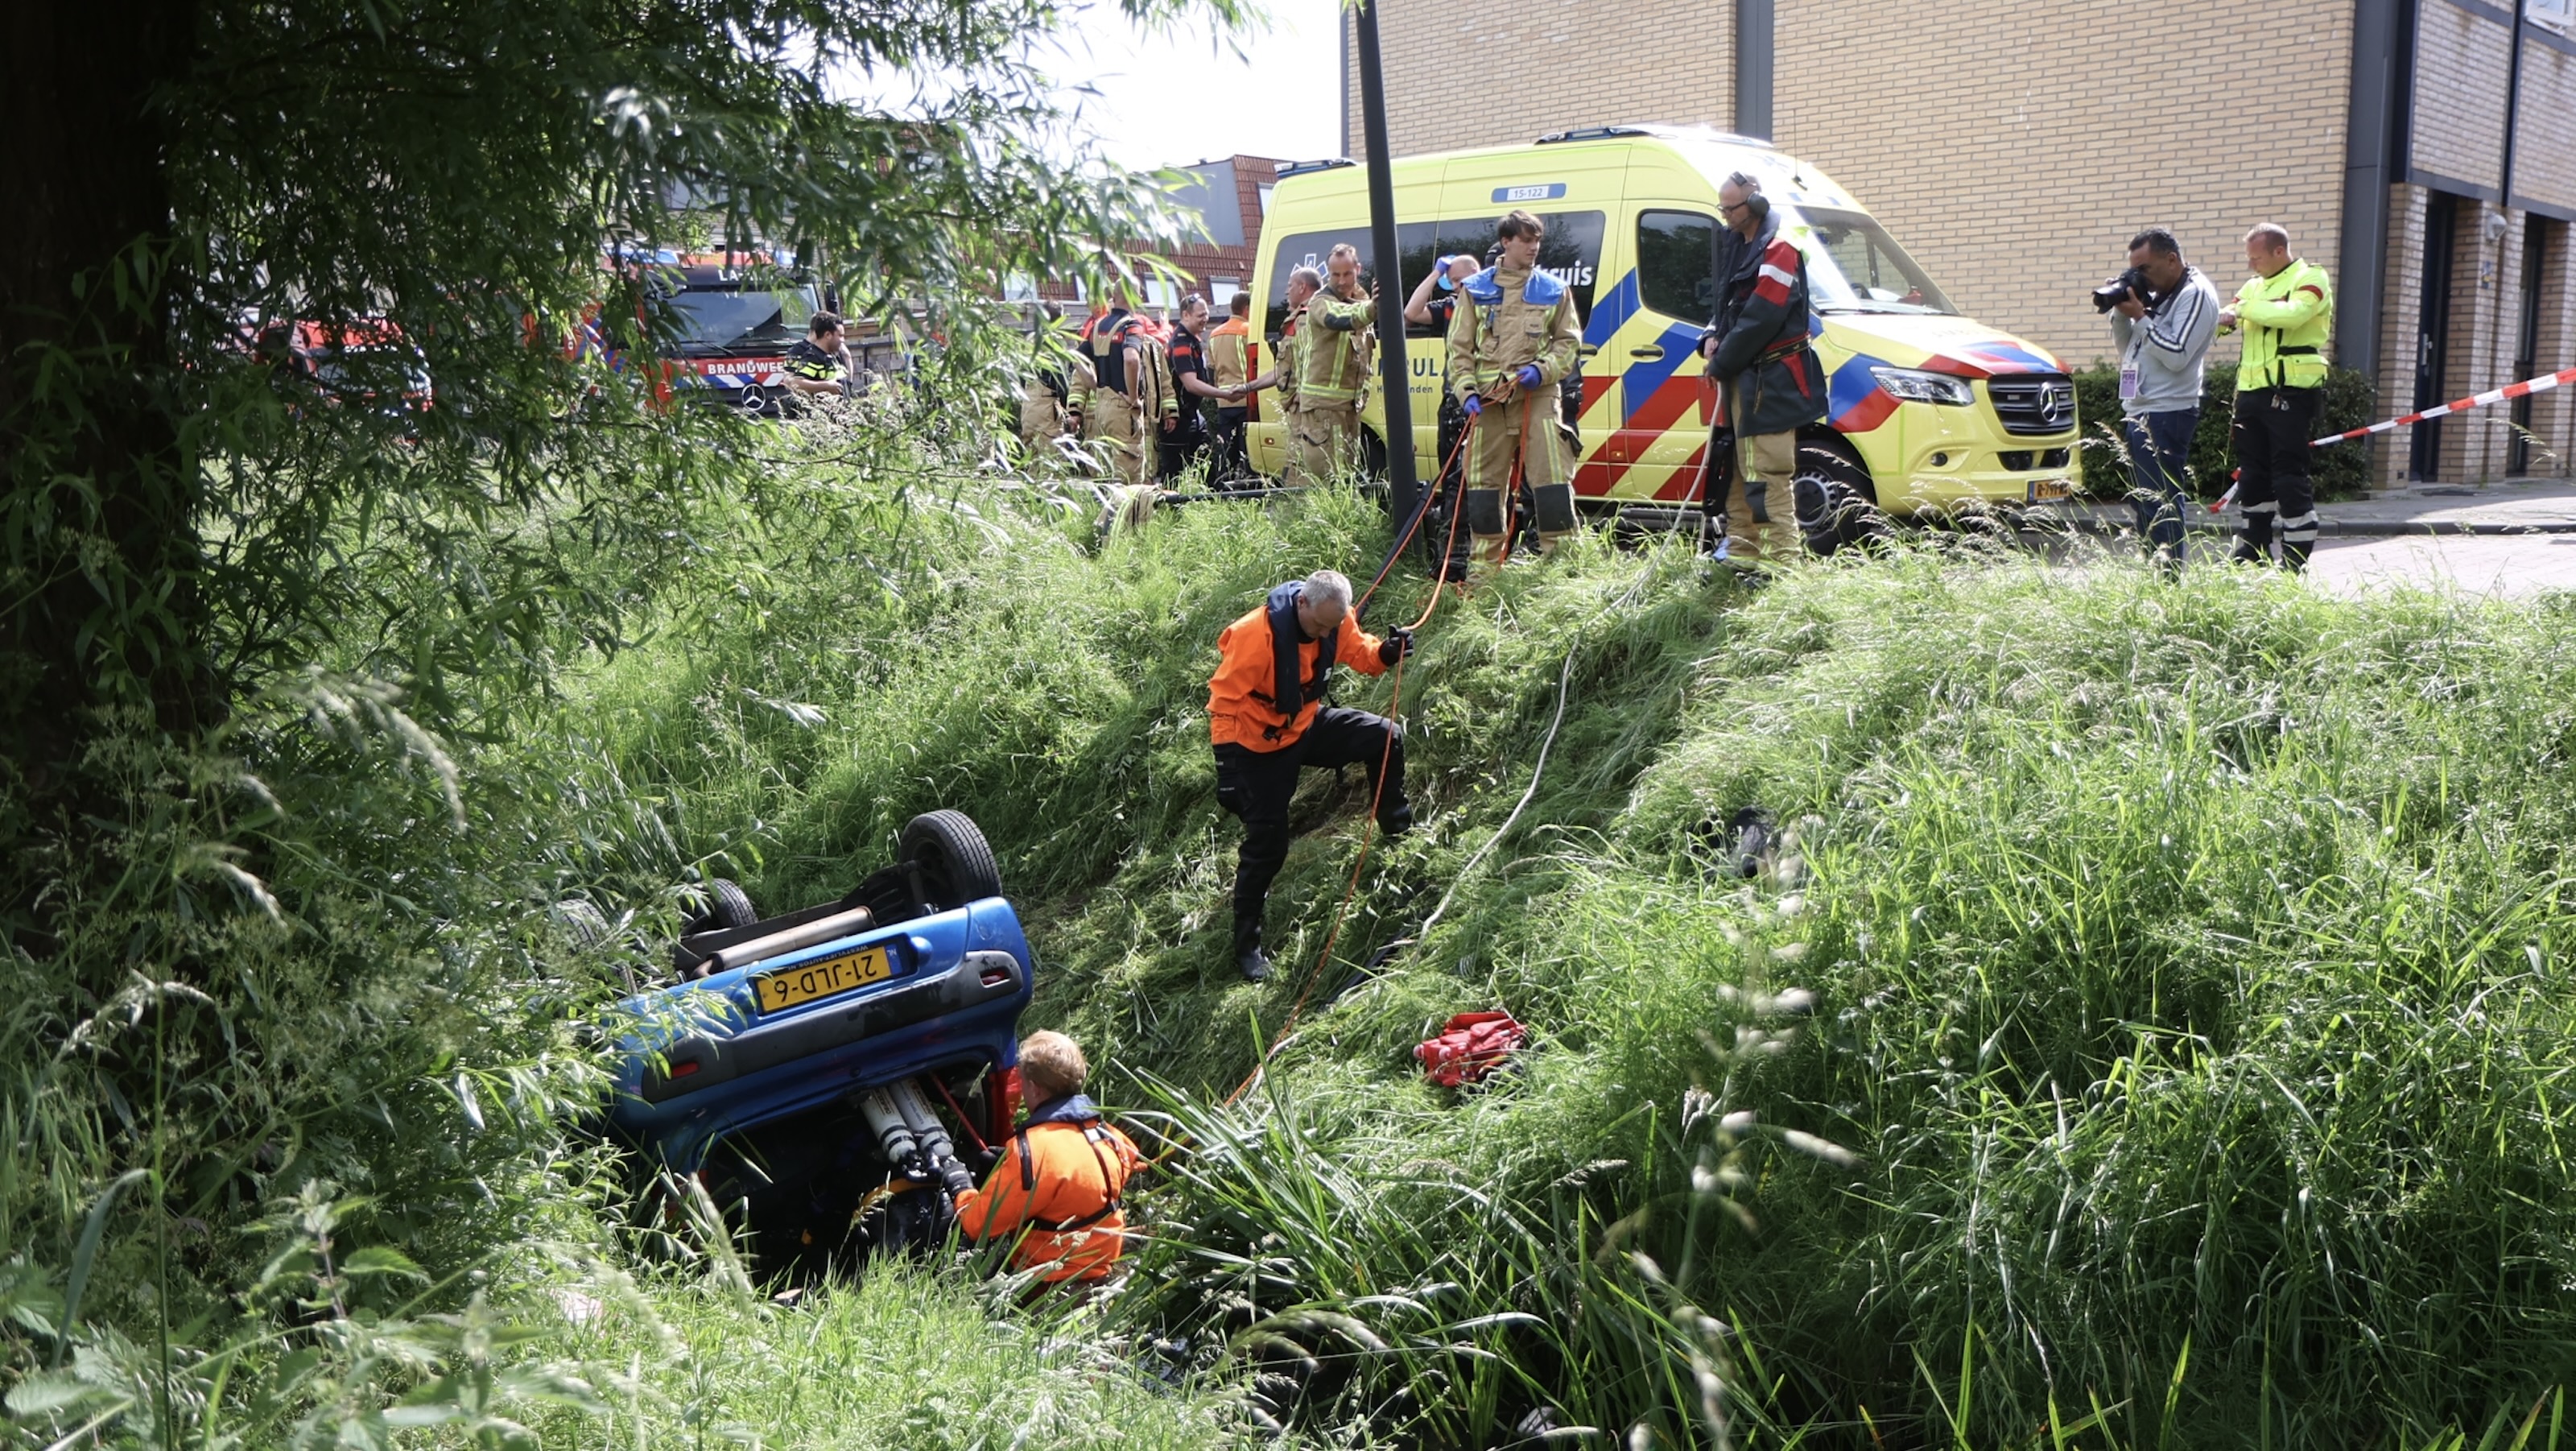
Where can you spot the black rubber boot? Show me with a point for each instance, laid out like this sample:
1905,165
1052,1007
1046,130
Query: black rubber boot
2254,543
1249,959
1397,819
2294,554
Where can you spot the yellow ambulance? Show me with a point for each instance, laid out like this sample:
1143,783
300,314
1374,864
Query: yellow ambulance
1929,409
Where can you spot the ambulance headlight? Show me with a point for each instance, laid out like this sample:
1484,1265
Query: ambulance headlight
1916,386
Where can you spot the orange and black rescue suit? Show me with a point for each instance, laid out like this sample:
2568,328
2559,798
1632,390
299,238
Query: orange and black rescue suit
1267,722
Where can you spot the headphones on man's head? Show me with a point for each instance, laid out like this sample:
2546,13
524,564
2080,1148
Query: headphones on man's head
1754,200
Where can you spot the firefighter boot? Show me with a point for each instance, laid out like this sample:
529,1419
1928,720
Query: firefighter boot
1249,959
2254,544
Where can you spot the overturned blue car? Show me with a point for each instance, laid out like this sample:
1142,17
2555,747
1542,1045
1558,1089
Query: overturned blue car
830,1075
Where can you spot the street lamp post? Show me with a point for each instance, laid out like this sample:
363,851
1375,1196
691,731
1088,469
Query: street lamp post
1404,490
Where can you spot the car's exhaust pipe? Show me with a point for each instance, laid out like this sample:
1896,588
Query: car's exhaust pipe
911,1135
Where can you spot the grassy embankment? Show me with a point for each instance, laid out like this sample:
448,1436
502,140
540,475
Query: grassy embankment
2157,1034
2188,1042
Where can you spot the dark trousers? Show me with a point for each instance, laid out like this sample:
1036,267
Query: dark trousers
2159,453
1177,450
1231,455
2271,432
1256,787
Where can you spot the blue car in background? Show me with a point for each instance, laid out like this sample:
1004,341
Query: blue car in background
818,1072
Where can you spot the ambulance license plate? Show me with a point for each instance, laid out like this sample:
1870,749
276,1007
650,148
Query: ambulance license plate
828,978
2049,491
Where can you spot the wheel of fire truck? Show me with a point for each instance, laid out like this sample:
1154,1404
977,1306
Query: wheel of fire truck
948,860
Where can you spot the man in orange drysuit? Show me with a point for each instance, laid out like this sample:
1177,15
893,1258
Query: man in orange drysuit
1267,723
1062,1177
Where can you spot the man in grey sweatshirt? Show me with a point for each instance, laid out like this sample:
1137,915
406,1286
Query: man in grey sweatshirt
2162,349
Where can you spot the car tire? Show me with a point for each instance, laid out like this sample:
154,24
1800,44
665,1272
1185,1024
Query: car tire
728,907
1835,502
584,925
951,863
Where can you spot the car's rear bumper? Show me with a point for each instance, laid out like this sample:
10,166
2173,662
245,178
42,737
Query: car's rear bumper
697,1063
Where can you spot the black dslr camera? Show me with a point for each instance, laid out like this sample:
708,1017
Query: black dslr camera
2132,283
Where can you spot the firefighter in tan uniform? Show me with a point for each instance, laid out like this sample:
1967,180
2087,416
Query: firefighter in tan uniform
1335,344
1046,413
1303,284
1115,344
1512,340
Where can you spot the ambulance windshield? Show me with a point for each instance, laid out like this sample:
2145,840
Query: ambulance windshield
1854,266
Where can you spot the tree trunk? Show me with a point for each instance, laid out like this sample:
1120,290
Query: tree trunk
101,624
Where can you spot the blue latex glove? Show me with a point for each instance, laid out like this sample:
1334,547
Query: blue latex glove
1528,375
1475,406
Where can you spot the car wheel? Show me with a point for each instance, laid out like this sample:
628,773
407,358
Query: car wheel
951,863
1836,503
580,922
728,907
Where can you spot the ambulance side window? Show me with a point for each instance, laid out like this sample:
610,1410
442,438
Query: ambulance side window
1674,258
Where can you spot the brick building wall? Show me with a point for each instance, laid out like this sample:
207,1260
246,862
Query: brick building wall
2015,159
2463,59
1466,76
2544,166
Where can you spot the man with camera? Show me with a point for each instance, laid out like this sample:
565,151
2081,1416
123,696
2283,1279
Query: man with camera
2286,309
2163,313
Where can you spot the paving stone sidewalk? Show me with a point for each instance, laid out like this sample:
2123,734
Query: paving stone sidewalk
2515,506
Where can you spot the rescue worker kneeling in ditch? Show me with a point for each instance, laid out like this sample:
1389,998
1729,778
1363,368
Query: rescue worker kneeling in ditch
1513,338
1268,723
1061,1180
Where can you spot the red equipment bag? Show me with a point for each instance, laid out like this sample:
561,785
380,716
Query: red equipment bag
1473,1045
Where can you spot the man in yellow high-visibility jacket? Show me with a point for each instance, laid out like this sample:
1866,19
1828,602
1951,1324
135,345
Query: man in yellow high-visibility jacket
2287,311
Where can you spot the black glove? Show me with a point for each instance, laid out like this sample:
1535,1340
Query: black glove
1396,646
954,1178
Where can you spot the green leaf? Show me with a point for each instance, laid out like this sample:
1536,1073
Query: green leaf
53,1392
379,1260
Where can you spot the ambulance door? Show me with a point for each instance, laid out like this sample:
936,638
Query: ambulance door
1574,187
1664,403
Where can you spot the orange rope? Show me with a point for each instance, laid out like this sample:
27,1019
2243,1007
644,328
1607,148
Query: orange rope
1377,792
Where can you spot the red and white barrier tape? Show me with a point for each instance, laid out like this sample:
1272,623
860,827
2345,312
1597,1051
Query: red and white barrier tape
2523,389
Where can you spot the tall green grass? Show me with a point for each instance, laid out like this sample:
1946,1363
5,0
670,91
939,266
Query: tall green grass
2152,1033
2185,968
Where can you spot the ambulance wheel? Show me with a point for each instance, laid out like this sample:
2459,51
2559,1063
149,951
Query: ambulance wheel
950,861
1836,503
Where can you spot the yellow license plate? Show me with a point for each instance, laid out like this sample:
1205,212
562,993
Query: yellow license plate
2044,491
827,978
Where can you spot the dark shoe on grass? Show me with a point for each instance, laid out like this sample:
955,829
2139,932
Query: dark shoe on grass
1249,959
